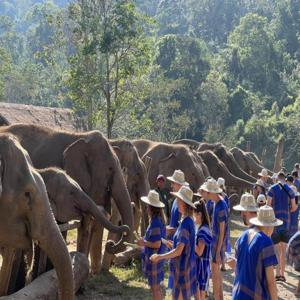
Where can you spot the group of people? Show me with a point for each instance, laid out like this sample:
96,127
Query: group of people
194,237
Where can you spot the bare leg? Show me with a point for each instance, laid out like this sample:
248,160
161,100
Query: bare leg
198,294
298,288
202,295
277,251
156,292
217,280
282,258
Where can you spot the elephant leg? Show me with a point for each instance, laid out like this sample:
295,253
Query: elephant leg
145,220
96,248
115,219
8,256
84,236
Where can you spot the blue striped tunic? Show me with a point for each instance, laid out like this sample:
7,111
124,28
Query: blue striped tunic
252,260
154,272
293,251
203,266
183,268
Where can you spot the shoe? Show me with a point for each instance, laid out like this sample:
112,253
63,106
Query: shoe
282,278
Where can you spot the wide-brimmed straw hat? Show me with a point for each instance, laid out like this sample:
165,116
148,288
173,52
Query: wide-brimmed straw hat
261,183
153,199
185,194
178,177
247,203
265,217
264,173
211,186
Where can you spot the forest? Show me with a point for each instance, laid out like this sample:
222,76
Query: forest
212,70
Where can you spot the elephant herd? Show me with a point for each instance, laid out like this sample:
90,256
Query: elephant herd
49,176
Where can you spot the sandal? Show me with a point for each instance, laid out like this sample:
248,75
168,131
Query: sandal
278,278
282,278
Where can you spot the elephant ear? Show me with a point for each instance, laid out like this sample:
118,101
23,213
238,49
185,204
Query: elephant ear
76,163
166,164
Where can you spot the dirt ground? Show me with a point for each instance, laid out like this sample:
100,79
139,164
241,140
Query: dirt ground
128,283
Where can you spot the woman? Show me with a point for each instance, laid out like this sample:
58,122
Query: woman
202,248
256,259
259,188
182,279
151,243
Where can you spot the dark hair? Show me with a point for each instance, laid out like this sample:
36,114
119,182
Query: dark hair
297,166
290,178
201,208
281,175
295,173
157,212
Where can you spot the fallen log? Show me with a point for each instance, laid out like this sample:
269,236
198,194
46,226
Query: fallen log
46,285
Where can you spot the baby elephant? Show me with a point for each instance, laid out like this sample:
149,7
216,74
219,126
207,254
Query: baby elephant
70,202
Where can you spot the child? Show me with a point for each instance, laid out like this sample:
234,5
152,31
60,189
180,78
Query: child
202,248
151,244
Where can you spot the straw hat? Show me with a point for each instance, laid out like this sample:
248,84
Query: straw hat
211,186
261,183
221,182
185,194
261,199
265,217
247,203
263,173
178,177
152,199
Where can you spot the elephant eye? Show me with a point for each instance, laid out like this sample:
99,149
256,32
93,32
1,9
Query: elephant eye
27,194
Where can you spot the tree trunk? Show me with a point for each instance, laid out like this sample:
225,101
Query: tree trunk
278,155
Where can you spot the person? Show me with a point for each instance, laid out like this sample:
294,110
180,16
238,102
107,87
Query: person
293,256
261,200
293,228
163,195
259,188
297,168
202,248
264,177
177,181
282,199
221,184
151,243
274,178
255,259
296,180
247,208
182,280
219,228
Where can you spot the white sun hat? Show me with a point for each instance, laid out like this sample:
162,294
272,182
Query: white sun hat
247,203
178,177
263,173
185,194
261,199
153,199
265,217
221,182
211,186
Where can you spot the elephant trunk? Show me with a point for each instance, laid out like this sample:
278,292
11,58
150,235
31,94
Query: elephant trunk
123,202
55,248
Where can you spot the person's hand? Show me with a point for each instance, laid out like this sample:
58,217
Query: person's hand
140,242
154,258
170,230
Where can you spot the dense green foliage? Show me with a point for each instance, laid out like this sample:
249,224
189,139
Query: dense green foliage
214,70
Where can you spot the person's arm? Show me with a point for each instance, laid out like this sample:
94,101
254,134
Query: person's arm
271,283
293,205
199,248
153,245
221,236
269,200
170,230
171,254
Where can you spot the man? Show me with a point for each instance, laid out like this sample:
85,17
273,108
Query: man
219,227
163,195
177,181
282,199
247,207
297,168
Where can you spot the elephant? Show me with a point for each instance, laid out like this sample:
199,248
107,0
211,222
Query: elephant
25,213
247,162
190,143
168,157
90,160
143,145
218,169
227,158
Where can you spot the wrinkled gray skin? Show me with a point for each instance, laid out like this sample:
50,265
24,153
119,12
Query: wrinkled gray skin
137,178
69,202
166,158
190,143
25,213
90,160
143,145
246,161
218,169
227,158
